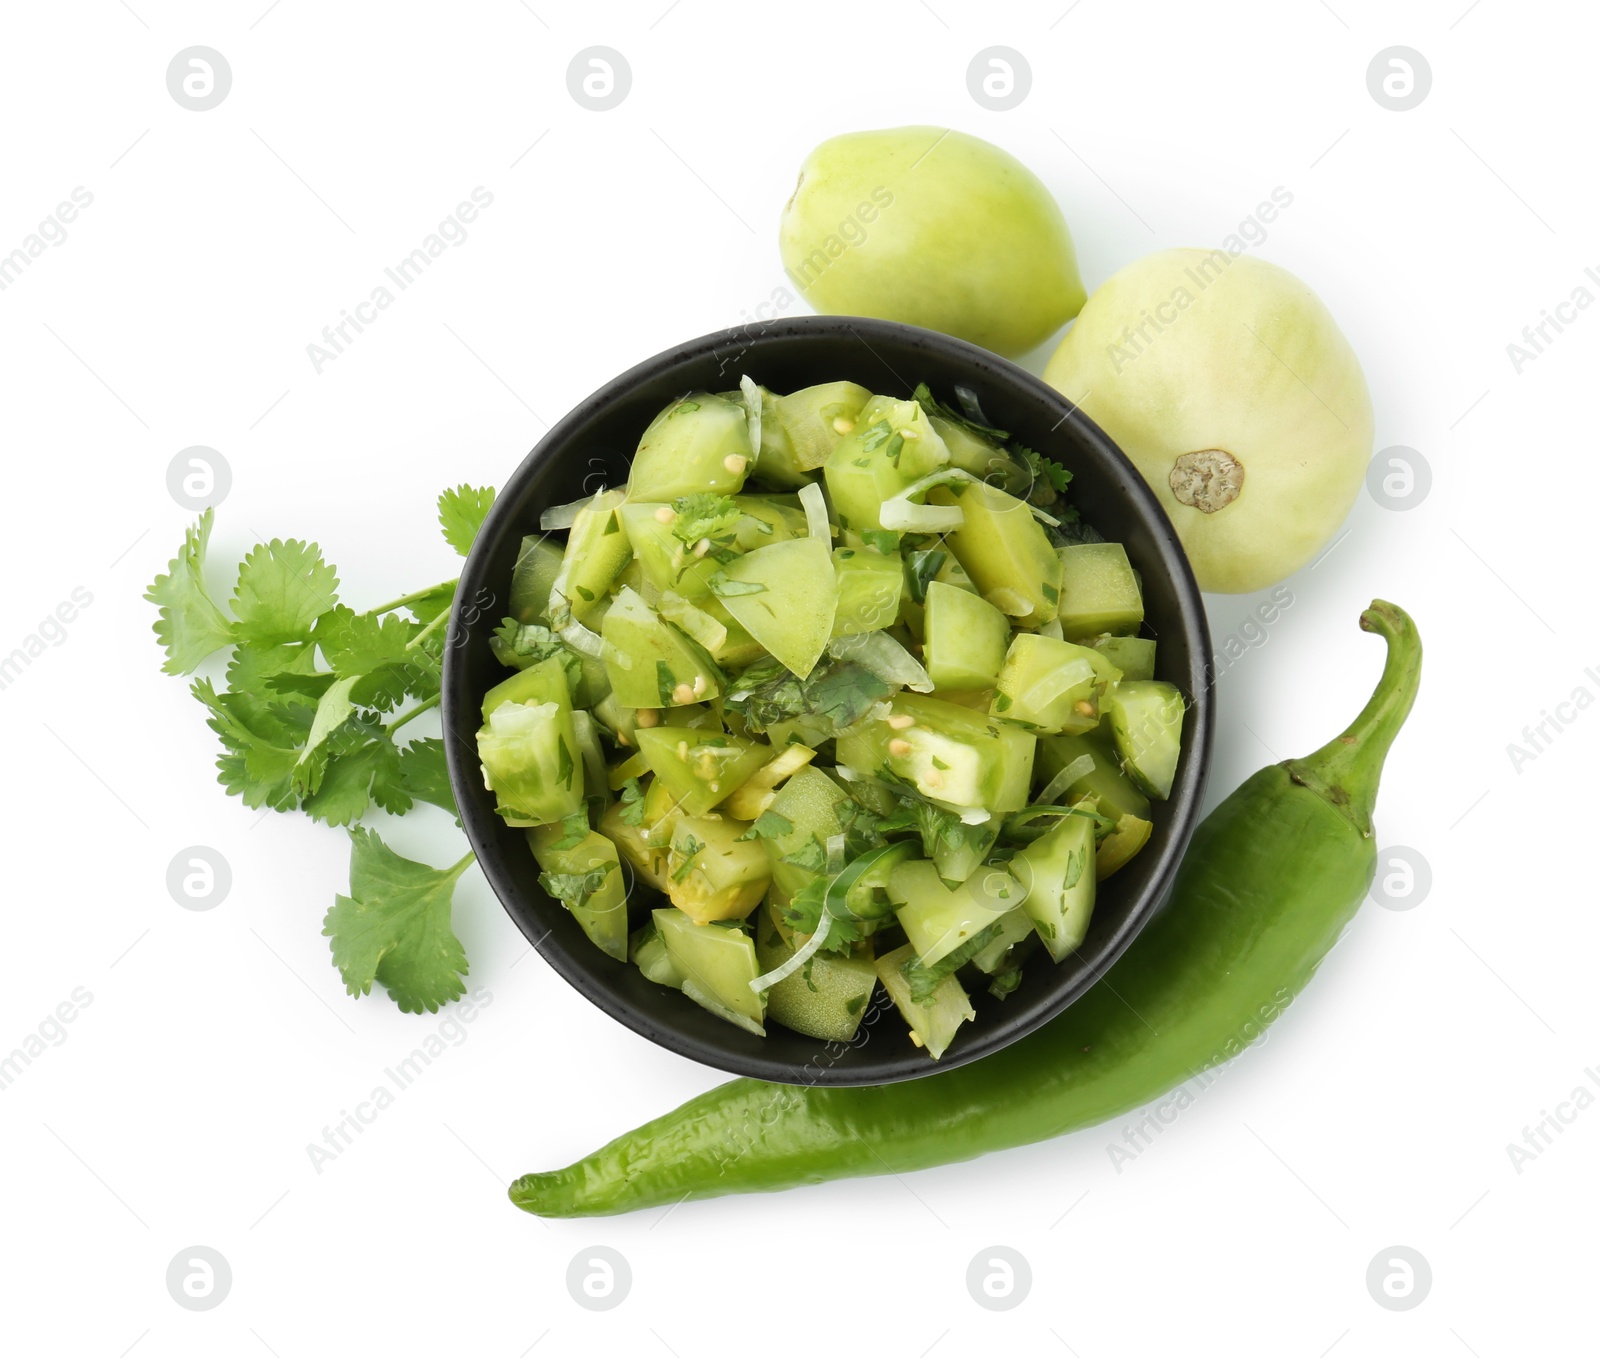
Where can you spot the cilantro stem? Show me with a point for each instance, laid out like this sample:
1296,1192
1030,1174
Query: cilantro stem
411,598
425,705
422,635
456,869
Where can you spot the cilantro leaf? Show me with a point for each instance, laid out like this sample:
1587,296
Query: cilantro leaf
840,693
573,889
574,830
724,588
924,980
809,857
424,776
517,645
462,512
262,739
769,825
354,778
632,803
691,847
394,927
283,588
354,643
703,515
925,398
803,913
1050,478
1004,982
190,626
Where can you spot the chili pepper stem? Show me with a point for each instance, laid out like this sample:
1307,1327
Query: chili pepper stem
1346,770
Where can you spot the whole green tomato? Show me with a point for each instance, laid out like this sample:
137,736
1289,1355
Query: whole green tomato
1231,388
933,228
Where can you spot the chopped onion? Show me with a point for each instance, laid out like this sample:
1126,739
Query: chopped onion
752,415
885,657
564,516
699,624
802,955
971,815
902,513
816,508
1057,786
1053,629
835,848
581,639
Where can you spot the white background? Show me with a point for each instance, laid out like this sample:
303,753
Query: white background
219,1044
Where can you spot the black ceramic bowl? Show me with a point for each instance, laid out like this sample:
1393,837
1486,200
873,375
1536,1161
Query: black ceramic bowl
593,445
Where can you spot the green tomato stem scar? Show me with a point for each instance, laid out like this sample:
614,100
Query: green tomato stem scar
1208,481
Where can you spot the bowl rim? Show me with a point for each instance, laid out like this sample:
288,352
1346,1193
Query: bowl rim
1187,793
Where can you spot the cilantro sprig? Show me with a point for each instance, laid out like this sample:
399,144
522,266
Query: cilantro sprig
310,718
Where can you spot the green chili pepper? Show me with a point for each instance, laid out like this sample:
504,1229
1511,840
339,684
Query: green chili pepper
1271,878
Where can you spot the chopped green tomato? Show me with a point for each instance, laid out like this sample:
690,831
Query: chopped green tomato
647,950
777,463
531,762
962,849
1134,656
938,919
933,1025
759,790
538,564
717,962
1058,876
715,873
1117,848
1050,685
804,704
807,804
1147,721
765,519
649,862
869,590
1012,928
827,998
1114,793
784,596
964,638
699,769
861,891
597,550
661,556
950,753
892,446
817,418
1004,550
649,662
586,878
547,681
698,444
1099,591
